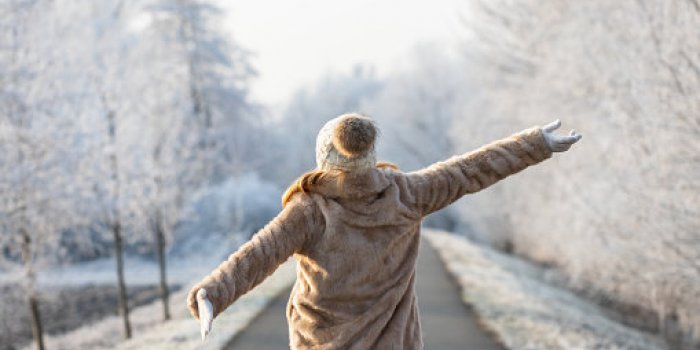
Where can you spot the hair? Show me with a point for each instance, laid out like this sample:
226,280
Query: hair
307,182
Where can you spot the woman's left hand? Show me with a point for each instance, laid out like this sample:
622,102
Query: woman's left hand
559,143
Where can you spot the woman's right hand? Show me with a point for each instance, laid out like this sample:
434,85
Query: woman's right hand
206,313
193,299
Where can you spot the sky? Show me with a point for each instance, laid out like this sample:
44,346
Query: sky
297,42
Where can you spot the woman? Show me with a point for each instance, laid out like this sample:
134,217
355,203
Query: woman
353,226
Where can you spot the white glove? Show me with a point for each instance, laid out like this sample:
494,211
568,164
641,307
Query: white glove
206,312
559,143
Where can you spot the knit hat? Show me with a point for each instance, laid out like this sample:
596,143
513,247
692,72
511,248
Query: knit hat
347,143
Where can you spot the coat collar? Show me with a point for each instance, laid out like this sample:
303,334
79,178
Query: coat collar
354,184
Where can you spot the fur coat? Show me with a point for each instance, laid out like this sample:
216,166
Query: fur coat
356,247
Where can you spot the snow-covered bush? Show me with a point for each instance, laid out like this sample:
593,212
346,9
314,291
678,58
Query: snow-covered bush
229,212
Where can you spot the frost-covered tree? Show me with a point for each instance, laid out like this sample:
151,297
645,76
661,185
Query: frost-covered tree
36,137
190,82
113,114
110,173
628,216
216,77
167,148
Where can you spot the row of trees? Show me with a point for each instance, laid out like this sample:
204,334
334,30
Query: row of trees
621,213
112,114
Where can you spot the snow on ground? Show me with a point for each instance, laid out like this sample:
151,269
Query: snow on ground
137,271
509,295
182,331
526,313
149,332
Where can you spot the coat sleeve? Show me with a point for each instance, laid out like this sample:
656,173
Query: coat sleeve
442,183
285,235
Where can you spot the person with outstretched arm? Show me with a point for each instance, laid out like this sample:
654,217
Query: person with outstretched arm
353,225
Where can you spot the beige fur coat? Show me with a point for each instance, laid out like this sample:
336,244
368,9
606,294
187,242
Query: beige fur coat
356,248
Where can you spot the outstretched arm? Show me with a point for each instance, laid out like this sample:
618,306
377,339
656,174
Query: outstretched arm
442,183
258,258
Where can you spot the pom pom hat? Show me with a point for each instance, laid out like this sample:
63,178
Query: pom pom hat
347,143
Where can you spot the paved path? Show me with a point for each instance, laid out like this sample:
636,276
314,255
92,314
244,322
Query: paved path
447,323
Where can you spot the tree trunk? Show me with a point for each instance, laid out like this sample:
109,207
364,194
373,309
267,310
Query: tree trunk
123,308
37,331
164,292
30,276
123,304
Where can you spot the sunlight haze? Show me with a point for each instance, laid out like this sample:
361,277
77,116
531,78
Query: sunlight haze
294,43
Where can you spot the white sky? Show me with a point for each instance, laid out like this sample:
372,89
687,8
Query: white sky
296,42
